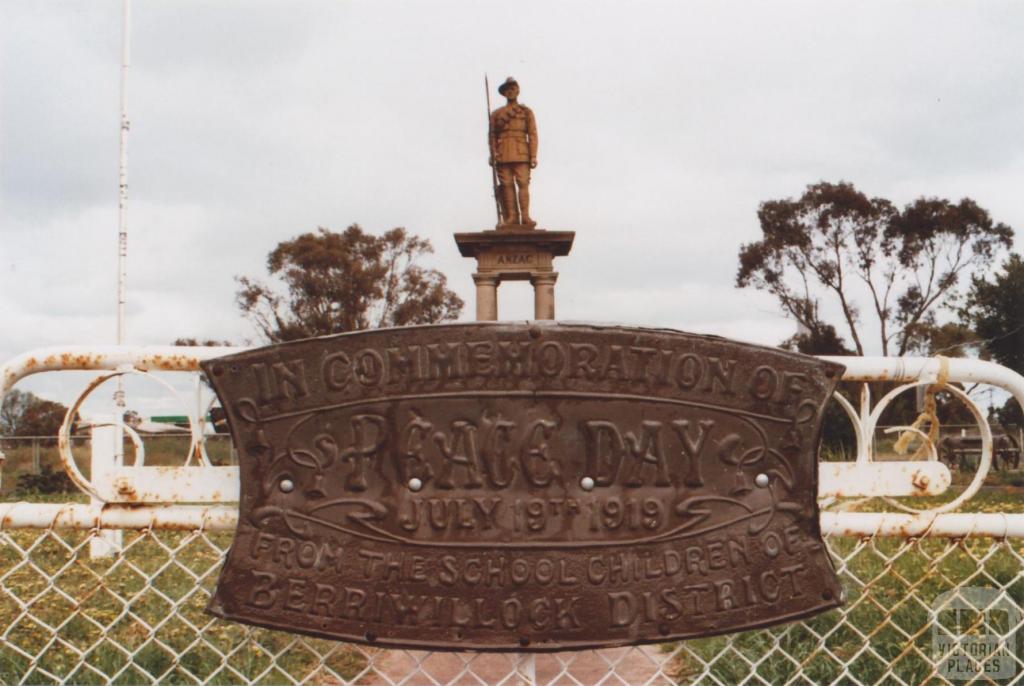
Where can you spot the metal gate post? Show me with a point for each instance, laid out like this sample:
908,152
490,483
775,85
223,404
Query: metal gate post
106,453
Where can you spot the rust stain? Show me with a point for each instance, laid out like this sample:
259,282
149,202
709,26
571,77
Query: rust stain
80,361
125,489
170,362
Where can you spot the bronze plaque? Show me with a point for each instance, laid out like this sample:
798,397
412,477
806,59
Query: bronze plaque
524,486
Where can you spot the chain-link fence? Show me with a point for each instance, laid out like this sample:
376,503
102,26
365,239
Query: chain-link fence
138,617
933,595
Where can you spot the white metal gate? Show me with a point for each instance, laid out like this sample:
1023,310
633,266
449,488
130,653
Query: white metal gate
932,596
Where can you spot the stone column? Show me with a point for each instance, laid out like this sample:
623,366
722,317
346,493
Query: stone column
544,295
486,297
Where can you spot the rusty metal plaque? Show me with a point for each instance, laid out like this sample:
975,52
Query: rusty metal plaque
524,486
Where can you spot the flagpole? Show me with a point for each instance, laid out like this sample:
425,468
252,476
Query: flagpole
122,201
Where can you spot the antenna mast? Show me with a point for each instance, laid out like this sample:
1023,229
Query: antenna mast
122,201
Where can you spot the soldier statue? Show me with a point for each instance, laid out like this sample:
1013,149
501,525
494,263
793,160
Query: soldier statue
513,143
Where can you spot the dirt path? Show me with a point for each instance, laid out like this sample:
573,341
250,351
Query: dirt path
613,667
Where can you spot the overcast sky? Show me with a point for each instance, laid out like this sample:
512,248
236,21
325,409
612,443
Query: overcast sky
662,126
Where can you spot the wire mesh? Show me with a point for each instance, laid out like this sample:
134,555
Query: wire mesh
918,610
138,617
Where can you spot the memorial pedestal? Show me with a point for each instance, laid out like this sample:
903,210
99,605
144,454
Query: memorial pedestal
515,254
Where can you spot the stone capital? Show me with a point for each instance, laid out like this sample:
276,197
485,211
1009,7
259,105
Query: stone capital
484,279
544,279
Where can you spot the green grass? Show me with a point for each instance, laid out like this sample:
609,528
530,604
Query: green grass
890,584
885,602
138,617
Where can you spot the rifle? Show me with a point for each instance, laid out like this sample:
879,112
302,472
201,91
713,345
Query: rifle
490,145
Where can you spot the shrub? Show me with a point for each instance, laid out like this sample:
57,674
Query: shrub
46,481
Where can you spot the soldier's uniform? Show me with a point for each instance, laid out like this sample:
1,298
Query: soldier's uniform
514,150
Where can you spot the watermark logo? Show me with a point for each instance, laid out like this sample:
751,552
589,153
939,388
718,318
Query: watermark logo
973,635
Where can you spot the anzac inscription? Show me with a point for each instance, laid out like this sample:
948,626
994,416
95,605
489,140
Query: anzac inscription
524,486
515,258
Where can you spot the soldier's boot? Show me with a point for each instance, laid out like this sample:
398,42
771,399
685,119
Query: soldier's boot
509,211
524,207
